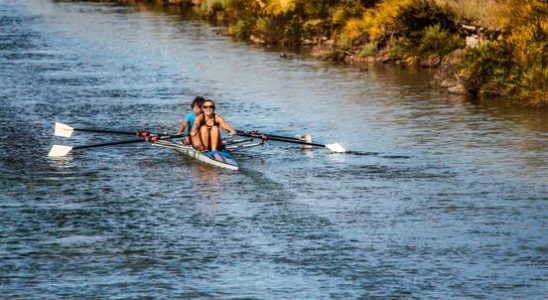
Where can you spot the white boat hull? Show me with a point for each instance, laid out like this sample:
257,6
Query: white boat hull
223,161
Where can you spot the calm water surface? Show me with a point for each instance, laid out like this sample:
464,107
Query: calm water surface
448,198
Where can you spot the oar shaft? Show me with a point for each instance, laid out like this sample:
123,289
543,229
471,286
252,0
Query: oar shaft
279,138
270,135
139,140
94,130
295,141
110,144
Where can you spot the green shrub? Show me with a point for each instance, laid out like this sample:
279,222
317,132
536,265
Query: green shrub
535,85
209,8
488,69
515,65
292,31
414,18
343,43
400,48
368,49
353,32
312,28
432,40
437,40
241,30
344,10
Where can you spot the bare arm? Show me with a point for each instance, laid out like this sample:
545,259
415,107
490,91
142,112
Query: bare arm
182,127
225,125
194,137
195,126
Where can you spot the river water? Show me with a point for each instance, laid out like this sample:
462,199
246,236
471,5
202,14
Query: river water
447,198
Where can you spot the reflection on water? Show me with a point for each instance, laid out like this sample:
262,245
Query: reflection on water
440,197
62,164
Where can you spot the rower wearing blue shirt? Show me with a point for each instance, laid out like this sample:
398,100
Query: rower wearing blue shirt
188,121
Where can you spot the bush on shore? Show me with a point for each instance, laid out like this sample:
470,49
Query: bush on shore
516,65
513,62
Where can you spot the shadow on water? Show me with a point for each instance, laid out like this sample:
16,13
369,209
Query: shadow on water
363,153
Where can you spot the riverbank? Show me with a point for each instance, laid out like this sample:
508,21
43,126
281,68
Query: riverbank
490,50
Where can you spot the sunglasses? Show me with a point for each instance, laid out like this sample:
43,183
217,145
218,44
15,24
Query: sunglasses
208,106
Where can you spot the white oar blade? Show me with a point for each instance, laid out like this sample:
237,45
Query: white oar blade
59,150
335,148
63,130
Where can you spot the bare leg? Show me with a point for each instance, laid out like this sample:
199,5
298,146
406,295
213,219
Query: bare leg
215,136
204,136
196,142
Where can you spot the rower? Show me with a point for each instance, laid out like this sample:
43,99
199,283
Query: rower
188,121
206,132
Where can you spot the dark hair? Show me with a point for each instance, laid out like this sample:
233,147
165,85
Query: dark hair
199,100
209,100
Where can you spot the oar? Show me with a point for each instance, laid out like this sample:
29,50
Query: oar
270,135
60,150
332,147
65,130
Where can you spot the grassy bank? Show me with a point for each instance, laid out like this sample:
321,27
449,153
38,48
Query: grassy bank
488,48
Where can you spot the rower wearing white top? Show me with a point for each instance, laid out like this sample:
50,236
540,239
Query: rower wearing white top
206,132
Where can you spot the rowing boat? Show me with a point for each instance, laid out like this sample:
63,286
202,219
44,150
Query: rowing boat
221,159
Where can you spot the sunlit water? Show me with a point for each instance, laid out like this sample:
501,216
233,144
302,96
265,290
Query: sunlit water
445,199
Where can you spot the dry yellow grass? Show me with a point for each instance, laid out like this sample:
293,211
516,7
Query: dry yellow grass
277,7
483,12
